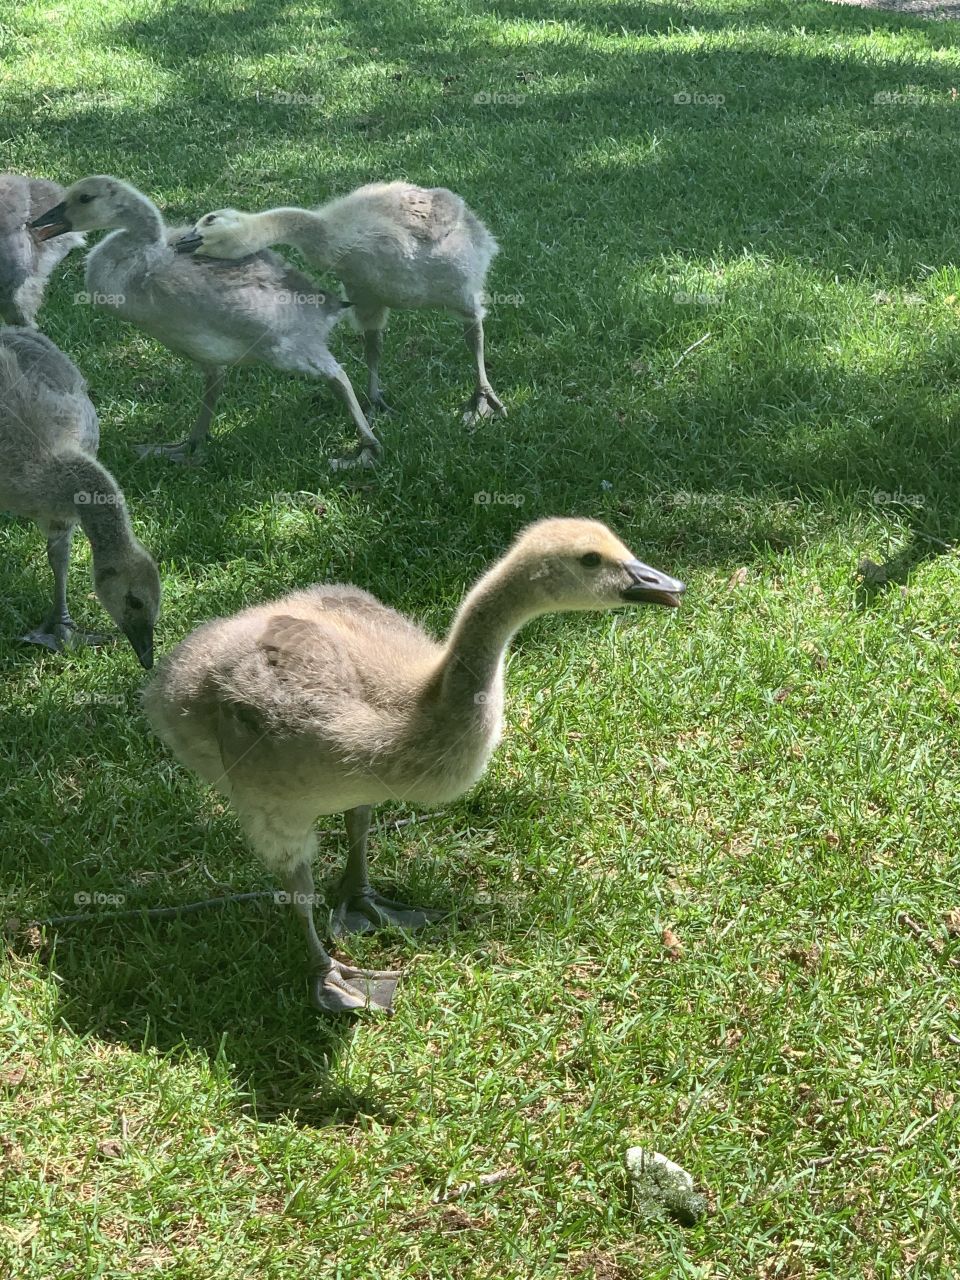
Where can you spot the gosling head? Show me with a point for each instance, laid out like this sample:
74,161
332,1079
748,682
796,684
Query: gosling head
89,205
128,587
225,233
579,564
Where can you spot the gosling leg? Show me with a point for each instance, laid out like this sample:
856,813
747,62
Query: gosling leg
186,450
336,987
59,630
369,447
484,401
373,350
360,908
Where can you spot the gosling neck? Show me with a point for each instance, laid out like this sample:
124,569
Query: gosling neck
142,218
492,612
300,228
86,492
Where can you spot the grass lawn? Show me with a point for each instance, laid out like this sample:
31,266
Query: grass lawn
770,772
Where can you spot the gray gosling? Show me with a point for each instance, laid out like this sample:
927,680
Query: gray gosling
49,472
328,701
217,314
26,263
392,245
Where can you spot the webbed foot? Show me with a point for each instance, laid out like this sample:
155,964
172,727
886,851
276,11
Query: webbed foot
484,403
343,989
364,912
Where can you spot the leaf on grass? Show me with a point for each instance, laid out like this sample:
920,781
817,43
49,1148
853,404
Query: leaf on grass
738,578
448,1218
951,922
11,1152
871,572
109,1149
594,1265
671,944
732,1038
806,957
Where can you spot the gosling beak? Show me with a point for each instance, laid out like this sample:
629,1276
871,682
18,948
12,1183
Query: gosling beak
345,302
52,223
189,243
650,586
140,635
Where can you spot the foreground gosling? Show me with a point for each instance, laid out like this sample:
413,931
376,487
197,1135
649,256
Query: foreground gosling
49,472
26,262
328,701
215,313
392,245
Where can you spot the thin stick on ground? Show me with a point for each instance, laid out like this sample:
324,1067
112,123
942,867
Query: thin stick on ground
918,931
485,1180
692,347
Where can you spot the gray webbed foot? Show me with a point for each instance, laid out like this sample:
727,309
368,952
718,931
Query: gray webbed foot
343,989
186,452
63,633
364,459
484,403
378,406
365,912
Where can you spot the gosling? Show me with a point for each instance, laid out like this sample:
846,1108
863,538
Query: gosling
49,472
392,245
328,701
214,313
26,263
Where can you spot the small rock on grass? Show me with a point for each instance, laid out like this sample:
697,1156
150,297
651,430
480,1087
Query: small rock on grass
661,1187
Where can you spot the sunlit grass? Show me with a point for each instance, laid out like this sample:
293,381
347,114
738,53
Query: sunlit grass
771,772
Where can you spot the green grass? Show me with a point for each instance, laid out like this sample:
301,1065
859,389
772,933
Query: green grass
771,772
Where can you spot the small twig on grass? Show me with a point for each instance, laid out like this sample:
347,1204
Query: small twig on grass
925,936
485,1180
839,1157
911,1135
150,913
396,823
692,347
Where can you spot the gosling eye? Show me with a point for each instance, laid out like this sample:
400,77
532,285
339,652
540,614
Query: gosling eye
132,602
85,199
591,559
